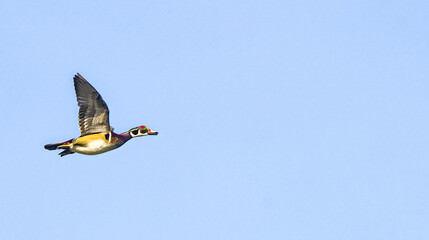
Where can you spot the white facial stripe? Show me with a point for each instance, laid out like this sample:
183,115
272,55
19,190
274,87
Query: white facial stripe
139,134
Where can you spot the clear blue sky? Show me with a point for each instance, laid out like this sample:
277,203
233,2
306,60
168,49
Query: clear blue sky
277,119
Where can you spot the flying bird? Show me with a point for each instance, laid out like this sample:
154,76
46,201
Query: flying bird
96,134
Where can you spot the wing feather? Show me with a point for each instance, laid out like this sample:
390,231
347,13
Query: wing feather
93,111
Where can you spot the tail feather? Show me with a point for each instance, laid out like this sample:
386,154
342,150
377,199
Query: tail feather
54,146
65,152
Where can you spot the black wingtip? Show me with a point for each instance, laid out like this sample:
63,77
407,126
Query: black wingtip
78,76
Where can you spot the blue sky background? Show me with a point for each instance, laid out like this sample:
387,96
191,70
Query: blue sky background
277,119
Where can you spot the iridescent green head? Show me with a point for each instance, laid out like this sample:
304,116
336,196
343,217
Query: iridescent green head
141,131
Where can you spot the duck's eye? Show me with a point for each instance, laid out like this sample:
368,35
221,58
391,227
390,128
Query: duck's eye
135,132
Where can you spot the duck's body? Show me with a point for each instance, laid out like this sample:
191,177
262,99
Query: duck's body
97,135
92,144
98,143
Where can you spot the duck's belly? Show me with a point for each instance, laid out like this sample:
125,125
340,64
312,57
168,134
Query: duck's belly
93,147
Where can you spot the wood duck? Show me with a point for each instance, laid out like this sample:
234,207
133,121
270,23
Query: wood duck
96,134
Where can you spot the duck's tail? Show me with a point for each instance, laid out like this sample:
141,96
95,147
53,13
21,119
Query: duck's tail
55,146
65,152
62,145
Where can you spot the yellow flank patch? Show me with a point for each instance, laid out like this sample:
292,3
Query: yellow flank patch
89,138
64,146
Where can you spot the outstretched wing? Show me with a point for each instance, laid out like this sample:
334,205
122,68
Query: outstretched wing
93,111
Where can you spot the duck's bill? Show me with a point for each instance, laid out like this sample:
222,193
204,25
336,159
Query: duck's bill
152,133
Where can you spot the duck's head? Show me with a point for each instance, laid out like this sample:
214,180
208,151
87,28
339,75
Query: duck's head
141,131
